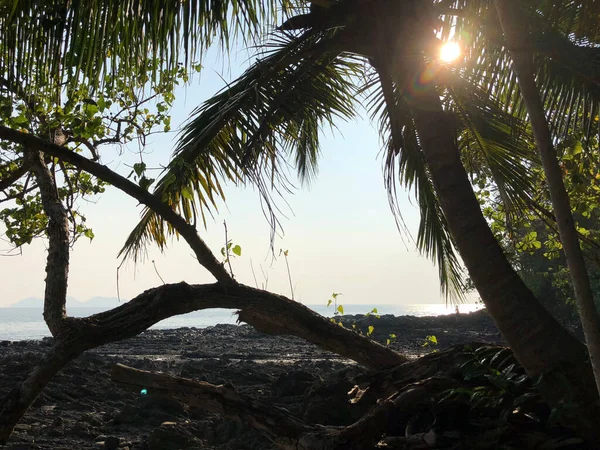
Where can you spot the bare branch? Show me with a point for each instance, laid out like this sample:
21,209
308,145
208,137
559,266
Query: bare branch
13,177
280,426
284,429
91,147
266,312
204,255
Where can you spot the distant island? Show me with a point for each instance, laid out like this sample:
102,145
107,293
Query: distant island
94,302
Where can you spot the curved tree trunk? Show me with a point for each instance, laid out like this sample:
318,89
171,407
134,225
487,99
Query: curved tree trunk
266,312
539,342
522,63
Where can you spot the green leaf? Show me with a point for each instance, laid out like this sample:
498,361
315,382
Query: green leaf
329,302
145,183
340,309
88,233
185,191
139,168
237,250
371,329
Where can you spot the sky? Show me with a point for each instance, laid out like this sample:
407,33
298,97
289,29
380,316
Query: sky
340,233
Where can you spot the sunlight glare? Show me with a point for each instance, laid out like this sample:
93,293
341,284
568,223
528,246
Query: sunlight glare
449,52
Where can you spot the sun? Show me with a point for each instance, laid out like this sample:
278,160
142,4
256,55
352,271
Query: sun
449,52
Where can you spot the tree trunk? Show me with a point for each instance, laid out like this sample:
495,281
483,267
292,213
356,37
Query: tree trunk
539,342
508,13
57,265
267,312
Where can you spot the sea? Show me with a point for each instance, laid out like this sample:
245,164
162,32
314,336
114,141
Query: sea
18,324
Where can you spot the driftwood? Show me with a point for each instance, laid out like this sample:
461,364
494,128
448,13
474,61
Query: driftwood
284,429
420,404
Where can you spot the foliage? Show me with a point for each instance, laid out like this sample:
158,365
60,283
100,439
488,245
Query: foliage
46,43
494,381
430,340
531,238
118,114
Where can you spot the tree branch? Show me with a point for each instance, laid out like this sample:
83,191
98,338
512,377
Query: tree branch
263,310
266,312
13,177
57,264
281,427
205,257
277,424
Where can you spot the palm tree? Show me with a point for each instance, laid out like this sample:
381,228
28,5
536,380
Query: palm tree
306,79
314,69
515,31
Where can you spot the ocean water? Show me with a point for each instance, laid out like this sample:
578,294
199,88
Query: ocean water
17,324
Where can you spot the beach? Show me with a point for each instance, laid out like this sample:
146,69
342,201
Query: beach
82,409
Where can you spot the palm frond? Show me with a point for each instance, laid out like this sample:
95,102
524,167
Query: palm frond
494,141
568,71
50,42
248,132
404,165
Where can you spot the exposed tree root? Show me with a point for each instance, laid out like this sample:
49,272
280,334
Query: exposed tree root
450,399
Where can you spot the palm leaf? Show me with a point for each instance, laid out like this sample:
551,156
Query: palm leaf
49,42
249,131
404,165
568,73
496,140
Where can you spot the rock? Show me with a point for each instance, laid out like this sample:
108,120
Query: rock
112,443
328,404
167,405
171,437
82,407
292,383
23,446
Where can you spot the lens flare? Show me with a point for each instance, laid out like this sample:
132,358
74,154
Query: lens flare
449,52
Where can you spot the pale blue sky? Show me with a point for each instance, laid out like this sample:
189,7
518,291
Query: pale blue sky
340,232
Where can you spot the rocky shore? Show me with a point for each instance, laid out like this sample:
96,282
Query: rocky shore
83,409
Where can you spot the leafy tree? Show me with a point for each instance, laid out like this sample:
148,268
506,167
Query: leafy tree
531,239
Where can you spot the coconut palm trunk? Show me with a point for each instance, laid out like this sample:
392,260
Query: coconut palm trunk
538,341
524,69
